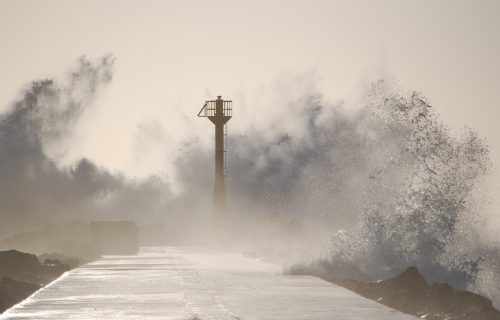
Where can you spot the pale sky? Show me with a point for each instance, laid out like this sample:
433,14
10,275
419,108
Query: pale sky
173,55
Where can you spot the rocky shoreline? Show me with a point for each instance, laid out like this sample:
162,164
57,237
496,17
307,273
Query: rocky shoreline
70,244
21,274
410,293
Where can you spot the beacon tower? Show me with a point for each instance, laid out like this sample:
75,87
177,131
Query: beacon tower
219,112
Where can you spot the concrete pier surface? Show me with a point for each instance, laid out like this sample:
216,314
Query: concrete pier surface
193,283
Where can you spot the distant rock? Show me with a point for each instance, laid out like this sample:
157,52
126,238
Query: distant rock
72,239
50,262
58,258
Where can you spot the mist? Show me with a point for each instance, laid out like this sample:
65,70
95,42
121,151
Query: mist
362,191
371,185
34,133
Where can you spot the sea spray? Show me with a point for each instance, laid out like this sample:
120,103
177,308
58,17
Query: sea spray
420,207
361,194
35,130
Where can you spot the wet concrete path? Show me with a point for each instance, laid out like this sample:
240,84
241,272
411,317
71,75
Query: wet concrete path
193,283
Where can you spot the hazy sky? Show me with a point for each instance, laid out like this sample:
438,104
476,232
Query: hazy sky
173,55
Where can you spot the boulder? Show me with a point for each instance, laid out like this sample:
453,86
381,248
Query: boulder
16,262
463,304
26,267
13,291
409,292
23,274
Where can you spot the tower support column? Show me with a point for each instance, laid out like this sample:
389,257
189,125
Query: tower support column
219,183
219,112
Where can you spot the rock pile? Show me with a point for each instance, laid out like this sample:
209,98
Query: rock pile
21,274
12,291
410,293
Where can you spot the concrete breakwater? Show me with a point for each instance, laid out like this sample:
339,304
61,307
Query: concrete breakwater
193,283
